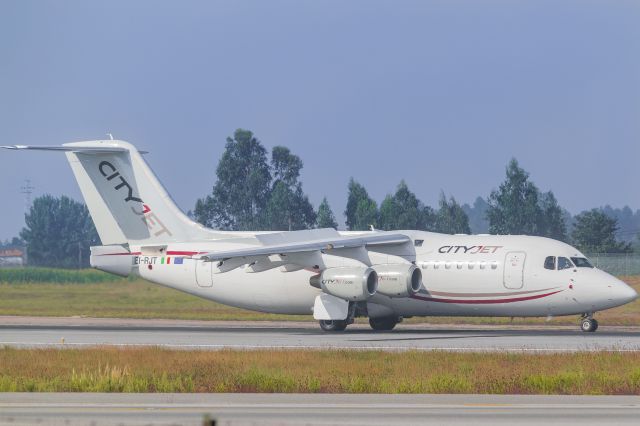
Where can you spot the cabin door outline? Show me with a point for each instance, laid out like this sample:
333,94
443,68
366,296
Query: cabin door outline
513,277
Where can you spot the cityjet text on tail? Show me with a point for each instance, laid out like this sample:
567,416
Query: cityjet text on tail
334,276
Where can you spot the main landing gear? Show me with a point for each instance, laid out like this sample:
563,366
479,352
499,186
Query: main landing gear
378,324
333,325
588,324
385,323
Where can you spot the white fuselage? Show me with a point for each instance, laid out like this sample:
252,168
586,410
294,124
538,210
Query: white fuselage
463,275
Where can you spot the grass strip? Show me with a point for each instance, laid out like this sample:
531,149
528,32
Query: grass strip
331,371
140,299
52,275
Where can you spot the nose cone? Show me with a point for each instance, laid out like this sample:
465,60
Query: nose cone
623,293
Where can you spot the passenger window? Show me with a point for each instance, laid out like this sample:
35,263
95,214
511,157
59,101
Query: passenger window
550,263
564,263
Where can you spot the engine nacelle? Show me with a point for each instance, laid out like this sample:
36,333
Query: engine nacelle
355,284
114,259
398,280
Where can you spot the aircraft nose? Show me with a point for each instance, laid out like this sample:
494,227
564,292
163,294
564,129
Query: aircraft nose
623,293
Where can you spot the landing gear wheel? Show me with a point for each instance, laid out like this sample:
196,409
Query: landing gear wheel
383,324
333,325
589,325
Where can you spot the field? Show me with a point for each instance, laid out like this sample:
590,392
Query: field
95,294
160,370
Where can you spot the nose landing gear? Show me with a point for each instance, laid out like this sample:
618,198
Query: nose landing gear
588,324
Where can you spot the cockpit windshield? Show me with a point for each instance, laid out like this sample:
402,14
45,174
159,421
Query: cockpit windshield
564,263
581,262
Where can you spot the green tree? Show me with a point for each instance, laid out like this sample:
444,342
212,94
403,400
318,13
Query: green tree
286,166
325,217
388,212
288,208
451,218
551,218
366,215
14,242
361,211
58,233
595,232
513,208
403,210
242,189
477,216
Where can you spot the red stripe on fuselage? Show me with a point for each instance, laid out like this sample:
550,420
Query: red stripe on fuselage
183,253
483,301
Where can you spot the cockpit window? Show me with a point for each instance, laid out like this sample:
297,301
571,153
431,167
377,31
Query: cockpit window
581,262
550,263
564,263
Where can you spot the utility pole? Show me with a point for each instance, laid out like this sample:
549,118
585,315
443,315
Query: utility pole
27,190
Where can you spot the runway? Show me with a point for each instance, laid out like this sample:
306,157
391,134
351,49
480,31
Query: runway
37,332
314,409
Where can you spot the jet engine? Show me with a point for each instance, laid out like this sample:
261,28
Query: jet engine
398,280
355,284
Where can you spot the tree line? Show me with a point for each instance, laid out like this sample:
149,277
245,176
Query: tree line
253,193
260,190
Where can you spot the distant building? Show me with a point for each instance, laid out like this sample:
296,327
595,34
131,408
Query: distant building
13,257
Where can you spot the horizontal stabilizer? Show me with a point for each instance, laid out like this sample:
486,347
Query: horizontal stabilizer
62,148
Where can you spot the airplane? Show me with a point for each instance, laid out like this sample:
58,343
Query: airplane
333,275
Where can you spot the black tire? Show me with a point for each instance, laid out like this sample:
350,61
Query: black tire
383,324
335,325
588,325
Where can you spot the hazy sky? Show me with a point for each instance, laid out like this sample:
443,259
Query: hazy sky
439,93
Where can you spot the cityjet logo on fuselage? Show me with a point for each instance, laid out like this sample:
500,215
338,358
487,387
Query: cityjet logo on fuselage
468,249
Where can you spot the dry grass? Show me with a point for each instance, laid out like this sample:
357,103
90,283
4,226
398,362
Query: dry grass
118,299
140,299
160,370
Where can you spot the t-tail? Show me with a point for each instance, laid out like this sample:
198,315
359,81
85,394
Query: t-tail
127,203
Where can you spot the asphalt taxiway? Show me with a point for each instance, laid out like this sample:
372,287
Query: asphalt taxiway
206,335
314,409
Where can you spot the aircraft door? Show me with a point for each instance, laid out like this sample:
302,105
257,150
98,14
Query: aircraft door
204,273
514,269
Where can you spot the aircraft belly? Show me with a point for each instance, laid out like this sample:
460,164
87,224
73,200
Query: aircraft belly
269,291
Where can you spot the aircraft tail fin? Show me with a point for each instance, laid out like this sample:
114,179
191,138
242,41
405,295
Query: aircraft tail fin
126,201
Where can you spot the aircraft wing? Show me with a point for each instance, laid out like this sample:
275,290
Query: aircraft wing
293,250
